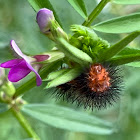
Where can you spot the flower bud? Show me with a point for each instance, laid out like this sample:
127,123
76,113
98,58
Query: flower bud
8,88
44,17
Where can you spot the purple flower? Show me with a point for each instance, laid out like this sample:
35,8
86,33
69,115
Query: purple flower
19,68
44,16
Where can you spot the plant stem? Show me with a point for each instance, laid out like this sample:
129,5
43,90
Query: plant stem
95,12
31,83
24,123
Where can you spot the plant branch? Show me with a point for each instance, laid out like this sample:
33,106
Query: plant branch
24,123
95,12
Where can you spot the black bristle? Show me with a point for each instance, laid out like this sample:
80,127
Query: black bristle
78,90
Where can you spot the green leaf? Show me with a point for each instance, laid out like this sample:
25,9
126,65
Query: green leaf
3,107
126,1
55,74
96,11
65,77
79,6
66,118
116,48
130,51
124,24
134,64
38,4
124,59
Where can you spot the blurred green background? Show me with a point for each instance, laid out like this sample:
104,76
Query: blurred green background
17,21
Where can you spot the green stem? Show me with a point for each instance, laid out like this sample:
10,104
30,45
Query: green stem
95,12
32,82
116,48
24,123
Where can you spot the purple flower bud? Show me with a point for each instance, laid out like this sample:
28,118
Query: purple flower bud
44,16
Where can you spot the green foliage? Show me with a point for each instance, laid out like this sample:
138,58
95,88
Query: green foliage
128,55
65,77
55,74
124,24
79,6
116,48
68,119
19,24
95,12
134,64
128,50
124,59
126,1
87,40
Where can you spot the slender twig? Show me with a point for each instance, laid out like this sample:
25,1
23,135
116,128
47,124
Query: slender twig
95,12
24,123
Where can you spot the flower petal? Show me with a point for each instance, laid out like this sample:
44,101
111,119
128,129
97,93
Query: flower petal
38,78
16,48
10,63
43,19
18,72
23,68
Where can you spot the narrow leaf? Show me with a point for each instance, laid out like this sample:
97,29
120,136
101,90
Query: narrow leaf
38,4
69,75
68,119
79,6
126,1
116,48
124,24
124,59
55,74
134,64
130,51
96,11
